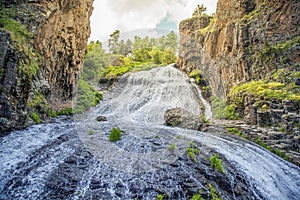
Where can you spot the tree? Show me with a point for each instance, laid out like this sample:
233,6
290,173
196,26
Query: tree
199,10
171,42
113,42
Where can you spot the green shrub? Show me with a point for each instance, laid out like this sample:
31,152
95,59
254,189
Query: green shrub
87,97
216,163
52,113
234,131
115,134
230,113
195,73
35,117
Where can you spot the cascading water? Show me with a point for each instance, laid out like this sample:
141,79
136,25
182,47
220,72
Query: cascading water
60,160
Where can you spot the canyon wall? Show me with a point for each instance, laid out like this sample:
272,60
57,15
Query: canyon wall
245,40
225,48
43,44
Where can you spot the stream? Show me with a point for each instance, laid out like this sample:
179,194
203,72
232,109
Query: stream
72,157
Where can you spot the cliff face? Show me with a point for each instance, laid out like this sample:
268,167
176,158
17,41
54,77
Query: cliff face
246,40
42,48
226,48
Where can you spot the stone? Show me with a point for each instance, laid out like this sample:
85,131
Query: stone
263,118
182,118
101,118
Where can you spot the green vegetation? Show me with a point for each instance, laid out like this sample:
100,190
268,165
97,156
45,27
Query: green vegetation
90,132
141,54
222,110
234,131
216,163
172,147
115,134
265,90
204,119
21,37
192,151
35,117
276,151
199,10
214,195
160,197
52,113
87,97
197,197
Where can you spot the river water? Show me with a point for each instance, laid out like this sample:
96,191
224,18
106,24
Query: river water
72,158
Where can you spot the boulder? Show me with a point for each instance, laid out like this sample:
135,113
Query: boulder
101,119
182,118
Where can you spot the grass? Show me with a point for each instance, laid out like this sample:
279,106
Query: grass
197,197
35,117
234,131
90,132
172,147
115,134
204,119
192,151
160,197
214,195
265,90
222,110
216,163
87,97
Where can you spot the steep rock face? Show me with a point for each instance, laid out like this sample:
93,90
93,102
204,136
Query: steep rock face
41,59
226,49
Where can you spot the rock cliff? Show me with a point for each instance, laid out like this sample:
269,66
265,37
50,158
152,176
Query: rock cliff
42,48
246,41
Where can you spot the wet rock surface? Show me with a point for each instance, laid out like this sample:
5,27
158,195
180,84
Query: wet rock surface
62,160
182,118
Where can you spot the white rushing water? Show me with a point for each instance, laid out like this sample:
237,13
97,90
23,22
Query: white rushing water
31,160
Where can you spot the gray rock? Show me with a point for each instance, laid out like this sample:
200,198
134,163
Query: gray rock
182,118
101,119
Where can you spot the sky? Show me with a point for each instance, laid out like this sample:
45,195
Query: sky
135,15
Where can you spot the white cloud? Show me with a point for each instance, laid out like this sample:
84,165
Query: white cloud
128,15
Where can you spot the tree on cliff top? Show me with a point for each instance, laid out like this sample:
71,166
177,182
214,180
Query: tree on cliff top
199,10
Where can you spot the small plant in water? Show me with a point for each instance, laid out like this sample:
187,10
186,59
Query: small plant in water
197,197
216,163
90,132
160,197
172,147
115,134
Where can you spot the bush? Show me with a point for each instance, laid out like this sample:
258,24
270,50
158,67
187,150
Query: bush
197,197
160,197
216,163
115,134
234,131
35,117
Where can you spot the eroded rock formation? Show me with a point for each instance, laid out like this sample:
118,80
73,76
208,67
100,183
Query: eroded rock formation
245,40
41,57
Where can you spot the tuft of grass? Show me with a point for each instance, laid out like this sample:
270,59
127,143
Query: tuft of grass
214,195
197,197
222,110
172,147
192,151
234,131
115,134
35,117
216,163
204,119
90,132
160,197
